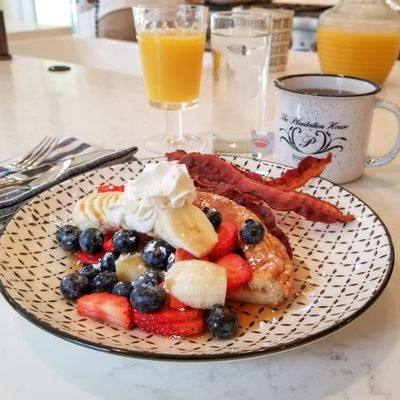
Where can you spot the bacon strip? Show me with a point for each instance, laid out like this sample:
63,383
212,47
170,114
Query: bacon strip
209,171
309,167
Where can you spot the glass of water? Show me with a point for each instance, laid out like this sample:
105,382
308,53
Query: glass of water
240,45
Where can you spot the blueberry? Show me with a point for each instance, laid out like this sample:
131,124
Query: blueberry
64,230
214,216
126,240
170,261
222,322
147,298
107,262
148,278
156,253
122,288
103,281
68,237
252,231
91,240
74,285
89,271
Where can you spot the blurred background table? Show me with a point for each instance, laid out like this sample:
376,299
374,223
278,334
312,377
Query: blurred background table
110,109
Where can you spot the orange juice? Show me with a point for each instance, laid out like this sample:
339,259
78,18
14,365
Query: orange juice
365,53
172,64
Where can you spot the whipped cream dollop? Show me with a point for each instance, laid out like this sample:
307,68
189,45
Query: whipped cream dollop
159,186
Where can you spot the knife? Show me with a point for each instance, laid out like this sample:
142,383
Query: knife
36,180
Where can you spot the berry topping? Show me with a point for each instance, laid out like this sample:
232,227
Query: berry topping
181,255
107,262
108,244
103,281
122,289
126,240
68,237
227,238
222,322
91,241
147,298
110,188
148,278
74,285
238,270
168,322
252,231
157,253
175,303
87,258
167,315
88,270
214,216
106,307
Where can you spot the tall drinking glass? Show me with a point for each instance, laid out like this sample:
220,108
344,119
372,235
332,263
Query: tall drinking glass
171,43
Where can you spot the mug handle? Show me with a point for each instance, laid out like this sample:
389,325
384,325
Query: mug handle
386,158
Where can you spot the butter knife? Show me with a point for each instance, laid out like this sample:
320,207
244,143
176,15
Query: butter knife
32,182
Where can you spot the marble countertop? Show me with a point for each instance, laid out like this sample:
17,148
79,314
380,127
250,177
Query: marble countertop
360,361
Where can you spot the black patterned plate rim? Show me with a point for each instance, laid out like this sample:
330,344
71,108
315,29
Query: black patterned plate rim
203,357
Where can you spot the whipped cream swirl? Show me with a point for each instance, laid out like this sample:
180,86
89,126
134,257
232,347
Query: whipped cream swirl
159,186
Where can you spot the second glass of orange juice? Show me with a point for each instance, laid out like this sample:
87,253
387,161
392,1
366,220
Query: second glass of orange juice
171,43
359,38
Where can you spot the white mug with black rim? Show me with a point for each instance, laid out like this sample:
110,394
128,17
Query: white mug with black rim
317,114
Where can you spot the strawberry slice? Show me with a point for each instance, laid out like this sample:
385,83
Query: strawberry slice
84,257
106,307
238,270
182,255
167,316
227,239
175,303
107,243
170,322
110,188
193,327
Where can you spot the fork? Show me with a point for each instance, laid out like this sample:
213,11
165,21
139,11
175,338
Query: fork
33,157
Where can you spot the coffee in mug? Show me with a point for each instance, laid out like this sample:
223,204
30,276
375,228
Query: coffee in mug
317,114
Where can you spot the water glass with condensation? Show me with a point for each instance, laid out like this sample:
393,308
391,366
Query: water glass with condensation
240,44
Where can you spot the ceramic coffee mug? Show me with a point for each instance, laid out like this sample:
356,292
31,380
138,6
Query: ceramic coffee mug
317,114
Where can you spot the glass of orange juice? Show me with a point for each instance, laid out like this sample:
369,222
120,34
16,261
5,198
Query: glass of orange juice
359,38
171,43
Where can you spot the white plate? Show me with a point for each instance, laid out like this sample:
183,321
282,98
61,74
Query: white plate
342,269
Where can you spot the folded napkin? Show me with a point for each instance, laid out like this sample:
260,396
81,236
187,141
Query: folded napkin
66,148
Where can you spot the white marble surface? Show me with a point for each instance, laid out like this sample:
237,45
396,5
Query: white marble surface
362,361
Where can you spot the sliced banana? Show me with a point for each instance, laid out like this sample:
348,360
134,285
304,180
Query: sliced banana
113,210
79,216
186,227
128,267
95,211
197,283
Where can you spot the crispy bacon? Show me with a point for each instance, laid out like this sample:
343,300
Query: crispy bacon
308,168
210,171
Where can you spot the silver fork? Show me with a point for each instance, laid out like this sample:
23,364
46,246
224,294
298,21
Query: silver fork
31,159
35,156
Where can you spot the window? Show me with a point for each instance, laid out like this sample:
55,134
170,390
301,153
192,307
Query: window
54,12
